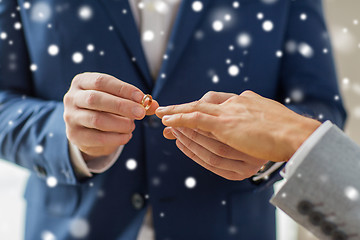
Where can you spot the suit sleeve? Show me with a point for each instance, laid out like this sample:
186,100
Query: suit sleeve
32,131
324,180
308,76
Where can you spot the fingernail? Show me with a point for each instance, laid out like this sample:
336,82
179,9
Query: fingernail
138,111
137,96
175,133
166,118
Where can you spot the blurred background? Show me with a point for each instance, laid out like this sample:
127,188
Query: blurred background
343,17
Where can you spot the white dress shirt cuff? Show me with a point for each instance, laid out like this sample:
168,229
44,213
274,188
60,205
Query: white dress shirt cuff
304,150
96,165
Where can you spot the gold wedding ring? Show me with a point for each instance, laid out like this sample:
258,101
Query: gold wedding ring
146,101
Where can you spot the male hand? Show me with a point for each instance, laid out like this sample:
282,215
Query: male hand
99,113
206,150
254,125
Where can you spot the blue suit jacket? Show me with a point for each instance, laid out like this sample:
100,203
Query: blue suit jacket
111,205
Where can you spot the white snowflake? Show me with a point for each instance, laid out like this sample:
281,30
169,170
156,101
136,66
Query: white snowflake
233,70
51,181
190,182
336,97
39,149
236,4
27,5
217,26
297,95
47,235
325,50
161,7
346,81
33,67
223,202
90,47
244,40
131,164
17,25
291,46
260,16
356,22
3,35
77,57
351,193
53,50
199,35
227,17
10,123
111,28
79,228
268,26
148,35
162,214
305,50
85,13
141,5
215,79
279,54
41,12
283,195
303,16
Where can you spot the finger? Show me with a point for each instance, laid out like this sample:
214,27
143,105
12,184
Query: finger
219,148
209,157
168,133
103,121
87,137
206,134
217,97
109,84
195,120
197,106
230,175
153,107
104,102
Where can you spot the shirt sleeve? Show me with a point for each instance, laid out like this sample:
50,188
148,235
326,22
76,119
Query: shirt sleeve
97,165
296,160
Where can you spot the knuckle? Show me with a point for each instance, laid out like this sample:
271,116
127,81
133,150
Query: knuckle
222,150
247,93
214,160
196,116
120,90
95,120
119,106
91,99
67,117
99,81
67,99
209,95
77,78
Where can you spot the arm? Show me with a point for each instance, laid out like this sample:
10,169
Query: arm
33,131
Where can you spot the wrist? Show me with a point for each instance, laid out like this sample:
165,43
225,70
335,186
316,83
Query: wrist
297,134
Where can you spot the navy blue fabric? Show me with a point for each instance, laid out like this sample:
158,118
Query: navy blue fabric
31,111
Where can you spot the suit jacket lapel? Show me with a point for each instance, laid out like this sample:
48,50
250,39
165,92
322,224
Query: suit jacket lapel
126,27
184,26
